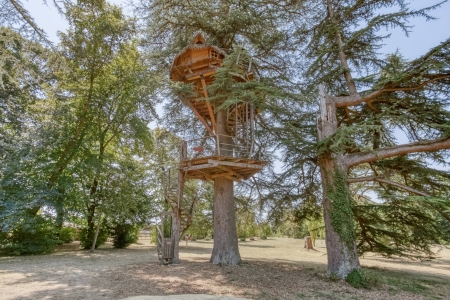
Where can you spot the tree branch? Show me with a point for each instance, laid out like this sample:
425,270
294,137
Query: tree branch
398,185
381,180
356,99
355,159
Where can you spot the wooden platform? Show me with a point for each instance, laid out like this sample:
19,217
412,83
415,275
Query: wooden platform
208,168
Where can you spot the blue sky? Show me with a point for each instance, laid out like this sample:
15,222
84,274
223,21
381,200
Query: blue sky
424,35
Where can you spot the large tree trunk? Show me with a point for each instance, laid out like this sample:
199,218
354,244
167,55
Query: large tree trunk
225,250
176,219
337,202
91,210
59,207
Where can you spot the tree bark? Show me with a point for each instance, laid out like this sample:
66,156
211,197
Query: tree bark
91,209
342,254
59,207
225,250
355,159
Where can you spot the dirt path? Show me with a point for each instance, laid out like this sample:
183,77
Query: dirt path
273,269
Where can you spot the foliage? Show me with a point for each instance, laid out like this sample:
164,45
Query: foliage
289,226
124,234
87,236
264,231
202,220
31,236
316,228
356,279
67,234
245,219
407,227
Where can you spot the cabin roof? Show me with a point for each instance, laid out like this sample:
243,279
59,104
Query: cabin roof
198,43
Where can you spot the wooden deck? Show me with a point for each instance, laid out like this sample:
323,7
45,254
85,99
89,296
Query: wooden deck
210,167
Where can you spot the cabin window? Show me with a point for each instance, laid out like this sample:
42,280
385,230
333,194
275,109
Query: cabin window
214,54
186,59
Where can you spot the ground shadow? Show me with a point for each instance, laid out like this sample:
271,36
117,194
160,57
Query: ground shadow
121,273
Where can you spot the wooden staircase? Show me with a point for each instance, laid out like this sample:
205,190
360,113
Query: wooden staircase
172,198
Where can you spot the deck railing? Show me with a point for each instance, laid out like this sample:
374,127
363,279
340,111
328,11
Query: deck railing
222,145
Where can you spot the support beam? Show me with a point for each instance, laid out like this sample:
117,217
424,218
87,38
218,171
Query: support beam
232,178
199,167
210,111
206,175
200,117
238,176
220,175
234,164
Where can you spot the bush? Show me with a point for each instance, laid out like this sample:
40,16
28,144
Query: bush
36,236
67,234
264,231
87,238
356,279
124,235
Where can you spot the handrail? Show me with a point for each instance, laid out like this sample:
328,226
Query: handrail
222,145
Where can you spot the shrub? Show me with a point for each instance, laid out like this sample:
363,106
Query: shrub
263,237
67,234
35,236
124,235
356,279
87,238
153,235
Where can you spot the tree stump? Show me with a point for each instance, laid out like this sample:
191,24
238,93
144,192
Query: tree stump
308,243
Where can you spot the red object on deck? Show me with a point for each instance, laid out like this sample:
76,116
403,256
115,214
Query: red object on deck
199,149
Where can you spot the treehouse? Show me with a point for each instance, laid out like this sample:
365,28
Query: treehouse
229,153
230,150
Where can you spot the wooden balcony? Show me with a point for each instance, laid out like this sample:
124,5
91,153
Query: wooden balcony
216,156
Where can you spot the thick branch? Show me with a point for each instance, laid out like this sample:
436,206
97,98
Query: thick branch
355,159
381,180
398,185
356,99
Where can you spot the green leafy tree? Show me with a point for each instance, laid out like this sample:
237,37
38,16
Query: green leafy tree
358,116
